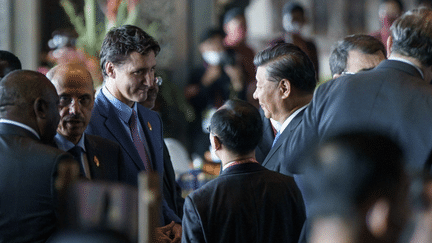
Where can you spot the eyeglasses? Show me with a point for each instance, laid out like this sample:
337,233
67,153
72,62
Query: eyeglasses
158,81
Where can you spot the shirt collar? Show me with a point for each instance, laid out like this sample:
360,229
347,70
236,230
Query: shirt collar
66,145
123,110
407,62
289,119
19,124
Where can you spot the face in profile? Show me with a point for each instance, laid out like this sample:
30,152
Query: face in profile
76,100
133,78
266,93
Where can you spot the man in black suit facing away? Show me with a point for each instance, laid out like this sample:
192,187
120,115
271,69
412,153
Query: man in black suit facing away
99,158
285,85
28,174
247,202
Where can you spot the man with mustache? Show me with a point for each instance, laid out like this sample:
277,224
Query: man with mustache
99,157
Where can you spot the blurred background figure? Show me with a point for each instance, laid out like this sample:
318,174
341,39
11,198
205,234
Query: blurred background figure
8,63
424,3
356,53
218,79
235,27
388,12
293,20
358,189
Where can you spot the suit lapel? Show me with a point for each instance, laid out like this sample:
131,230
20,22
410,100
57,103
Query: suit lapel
96,168
116,128
151,132
284,136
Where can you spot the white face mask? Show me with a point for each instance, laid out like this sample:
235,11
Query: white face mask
289,26
212,57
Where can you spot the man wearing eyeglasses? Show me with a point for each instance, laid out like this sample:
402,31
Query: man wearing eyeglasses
99,158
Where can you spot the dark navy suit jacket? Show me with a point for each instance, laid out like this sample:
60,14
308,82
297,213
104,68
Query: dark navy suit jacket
246,203
106,123
276,157
392,98
265,144
104,158
28,170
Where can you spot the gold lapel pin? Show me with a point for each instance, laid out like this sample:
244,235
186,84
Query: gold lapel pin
96,161
149,126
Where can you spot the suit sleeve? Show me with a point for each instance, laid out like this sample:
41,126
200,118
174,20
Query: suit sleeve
192,230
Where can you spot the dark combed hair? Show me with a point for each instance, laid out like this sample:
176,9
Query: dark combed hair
287,61
120,42
238,126
9,62
363,43
412,35
352,168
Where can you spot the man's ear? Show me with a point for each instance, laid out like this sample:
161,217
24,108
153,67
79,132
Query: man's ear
389,45
109,69
336,75
377,218
217,143
285,88
40,107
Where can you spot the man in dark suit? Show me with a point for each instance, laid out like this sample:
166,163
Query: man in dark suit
99,158
285,84
128,61
28,174
247,202
171,190
395,96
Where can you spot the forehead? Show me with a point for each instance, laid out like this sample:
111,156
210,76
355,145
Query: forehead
261,74
137,61
73,80
358,61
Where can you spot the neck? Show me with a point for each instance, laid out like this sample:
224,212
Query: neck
114,92
73,139
229,157
298,103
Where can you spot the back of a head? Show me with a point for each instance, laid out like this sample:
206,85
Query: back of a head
287,61
20,88
363,43
120,42
238,125
8,63
412,35
353,169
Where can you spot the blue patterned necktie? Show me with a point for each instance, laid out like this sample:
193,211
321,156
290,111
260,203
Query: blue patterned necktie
276,138
139,144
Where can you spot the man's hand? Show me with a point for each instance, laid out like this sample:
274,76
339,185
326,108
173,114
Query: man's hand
176,233
162,233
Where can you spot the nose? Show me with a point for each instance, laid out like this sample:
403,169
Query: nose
150,80
255,95
74,106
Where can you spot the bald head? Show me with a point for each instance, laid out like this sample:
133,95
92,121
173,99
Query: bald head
29,97
74,85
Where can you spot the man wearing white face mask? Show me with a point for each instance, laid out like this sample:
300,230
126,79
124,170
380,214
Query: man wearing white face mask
293,20
218,79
